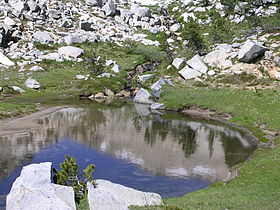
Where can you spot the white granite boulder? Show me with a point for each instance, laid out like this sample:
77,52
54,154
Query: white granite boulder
70,52
197,63
144,78
32,83
178,62
73,38
108,195
18,89
250,51
5,61
140,11
42,37
189,73
33,190
110,8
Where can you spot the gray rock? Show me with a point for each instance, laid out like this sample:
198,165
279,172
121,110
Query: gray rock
175,27
87,26
250,51
116,68
157,86
70,52
110,8
42,37
80,77
108,195
143,96
55,14
99,95
211,73
109,92
197,63
5,61
277,61
32,83
33,190
20,6
157,106
236,45
105,75
189,73
73,38
52,56
36,68
268,55
109,62
140,11
178,63
144,78
18,89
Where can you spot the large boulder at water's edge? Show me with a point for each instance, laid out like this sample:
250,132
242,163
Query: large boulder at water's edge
108,195
143,96
33,190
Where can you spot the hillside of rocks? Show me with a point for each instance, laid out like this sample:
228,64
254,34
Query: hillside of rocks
123,48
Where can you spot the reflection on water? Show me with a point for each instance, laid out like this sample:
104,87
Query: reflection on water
158,144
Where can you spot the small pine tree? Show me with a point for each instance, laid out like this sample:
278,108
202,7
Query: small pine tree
192,33
69,176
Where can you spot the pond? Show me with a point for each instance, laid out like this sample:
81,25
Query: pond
167,153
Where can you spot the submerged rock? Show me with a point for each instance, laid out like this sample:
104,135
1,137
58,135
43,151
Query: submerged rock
108,195
33,190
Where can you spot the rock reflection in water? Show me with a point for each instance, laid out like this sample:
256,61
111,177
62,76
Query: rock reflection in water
160,144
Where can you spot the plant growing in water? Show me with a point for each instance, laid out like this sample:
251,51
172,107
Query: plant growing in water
69,175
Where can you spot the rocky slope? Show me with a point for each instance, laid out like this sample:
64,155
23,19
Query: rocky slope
217,43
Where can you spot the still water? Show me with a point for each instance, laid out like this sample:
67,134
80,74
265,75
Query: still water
166,153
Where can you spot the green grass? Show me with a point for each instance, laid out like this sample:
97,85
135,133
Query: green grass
249,109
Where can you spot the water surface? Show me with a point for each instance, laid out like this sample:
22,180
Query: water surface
158,152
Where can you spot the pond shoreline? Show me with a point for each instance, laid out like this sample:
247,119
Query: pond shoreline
31,122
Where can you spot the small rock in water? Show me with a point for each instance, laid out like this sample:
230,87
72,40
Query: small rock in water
158,106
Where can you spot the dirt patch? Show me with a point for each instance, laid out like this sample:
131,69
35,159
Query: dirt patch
25,123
